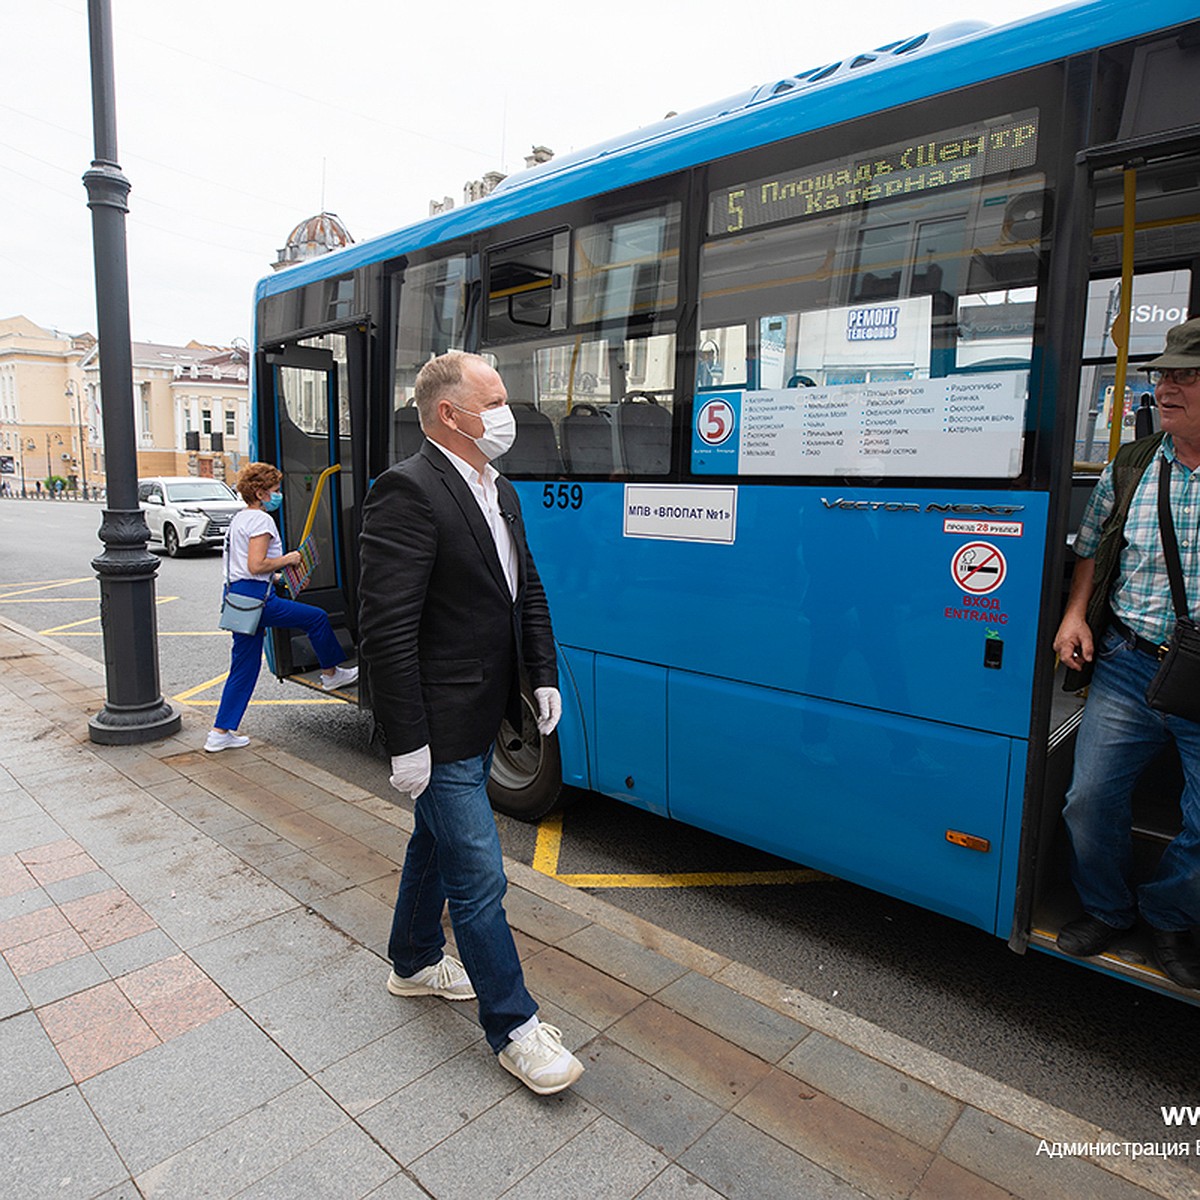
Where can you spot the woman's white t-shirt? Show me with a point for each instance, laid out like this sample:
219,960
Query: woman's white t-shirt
249,523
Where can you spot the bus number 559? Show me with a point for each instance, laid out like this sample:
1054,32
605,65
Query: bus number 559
563,495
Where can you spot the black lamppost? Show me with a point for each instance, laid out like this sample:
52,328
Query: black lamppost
134,710
49,467
83,447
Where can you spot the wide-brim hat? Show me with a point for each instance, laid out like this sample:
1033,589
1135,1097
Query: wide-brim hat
1183,347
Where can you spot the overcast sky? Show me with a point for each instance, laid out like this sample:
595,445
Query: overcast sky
236,120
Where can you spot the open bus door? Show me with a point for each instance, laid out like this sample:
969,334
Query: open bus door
1146,192
309,420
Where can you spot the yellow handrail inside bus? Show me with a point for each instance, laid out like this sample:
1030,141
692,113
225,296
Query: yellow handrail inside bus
1120,329
312,507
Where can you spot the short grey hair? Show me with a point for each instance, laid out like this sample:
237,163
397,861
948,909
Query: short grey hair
438,377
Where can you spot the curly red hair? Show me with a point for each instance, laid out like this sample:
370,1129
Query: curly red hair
255,478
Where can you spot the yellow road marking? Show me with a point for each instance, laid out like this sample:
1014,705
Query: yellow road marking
202,687
186,697
57,630
260,703
695,879
162,633
72,625
549,844
41,585
16,599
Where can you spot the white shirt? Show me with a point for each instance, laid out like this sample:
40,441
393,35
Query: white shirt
248,523
483,488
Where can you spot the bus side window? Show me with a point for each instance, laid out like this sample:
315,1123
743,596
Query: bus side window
430,304
594,406
1160,300
527,286
722,358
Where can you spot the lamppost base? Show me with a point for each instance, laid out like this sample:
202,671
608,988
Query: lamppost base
134,727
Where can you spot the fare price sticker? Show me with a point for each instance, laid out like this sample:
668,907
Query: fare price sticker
974,528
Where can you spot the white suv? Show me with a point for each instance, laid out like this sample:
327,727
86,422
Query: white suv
187,511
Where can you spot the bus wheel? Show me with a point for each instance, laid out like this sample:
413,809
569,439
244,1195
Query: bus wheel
526,774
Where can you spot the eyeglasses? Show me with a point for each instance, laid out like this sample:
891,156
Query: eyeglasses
1180,376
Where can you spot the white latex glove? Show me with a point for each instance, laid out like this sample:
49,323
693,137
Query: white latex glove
549,704
410,772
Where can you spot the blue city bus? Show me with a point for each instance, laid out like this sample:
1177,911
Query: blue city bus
811,387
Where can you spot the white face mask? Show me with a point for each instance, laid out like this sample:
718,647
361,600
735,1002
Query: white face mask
499,430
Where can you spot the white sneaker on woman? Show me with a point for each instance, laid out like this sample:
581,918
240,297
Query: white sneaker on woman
341,677
227,740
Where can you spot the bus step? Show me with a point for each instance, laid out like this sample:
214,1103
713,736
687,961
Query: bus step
312,679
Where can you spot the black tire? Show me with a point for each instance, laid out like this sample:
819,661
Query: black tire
526,779
171,541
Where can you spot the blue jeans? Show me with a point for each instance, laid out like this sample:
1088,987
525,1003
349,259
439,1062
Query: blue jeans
454,856
246,661
1120,733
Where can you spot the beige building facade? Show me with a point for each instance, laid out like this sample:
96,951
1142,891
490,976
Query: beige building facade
43,420
191,409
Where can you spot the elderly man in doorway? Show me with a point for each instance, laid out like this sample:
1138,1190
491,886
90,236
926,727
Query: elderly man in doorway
1118,616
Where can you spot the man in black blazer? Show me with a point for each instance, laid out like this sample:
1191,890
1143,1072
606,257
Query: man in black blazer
452,609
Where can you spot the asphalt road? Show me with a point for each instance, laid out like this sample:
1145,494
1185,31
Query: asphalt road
1107,1051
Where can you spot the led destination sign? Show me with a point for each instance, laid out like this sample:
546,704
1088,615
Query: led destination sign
970,152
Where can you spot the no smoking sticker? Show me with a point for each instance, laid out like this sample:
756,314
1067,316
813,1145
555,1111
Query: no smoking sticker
978,568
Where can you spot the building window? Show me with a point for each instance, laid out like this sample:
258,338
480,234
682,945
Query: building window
230,423
206,420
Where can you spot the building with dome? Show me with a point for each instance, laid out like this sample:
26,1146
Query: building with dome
313,237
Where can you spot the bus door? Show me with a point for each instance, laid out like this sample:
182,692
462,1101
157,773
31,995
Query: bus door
1144,278
314,418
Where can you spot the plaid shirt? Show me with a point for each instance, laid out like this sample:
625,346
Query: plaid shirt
1141,597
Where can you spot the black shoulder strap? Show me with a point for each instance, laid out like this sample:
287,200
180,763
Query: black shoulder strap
1166,530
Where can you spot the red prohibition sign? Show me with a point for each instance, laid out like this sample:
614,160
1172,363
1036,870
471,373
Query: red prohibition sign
978,568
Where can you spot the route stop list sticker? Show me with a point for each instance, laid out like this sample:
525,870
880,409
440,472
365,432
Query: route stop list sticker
978,568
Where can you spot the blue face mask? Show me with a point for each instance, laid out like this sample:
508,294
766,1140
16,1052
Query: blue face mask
272,502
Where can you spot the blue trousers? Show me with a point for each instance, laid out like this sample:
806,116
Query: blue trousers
247,648
454,855
1119,735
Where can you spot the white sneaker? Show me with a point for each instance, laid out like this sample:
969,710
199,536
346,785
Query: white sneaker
217,740
447,979
341,677
539,1061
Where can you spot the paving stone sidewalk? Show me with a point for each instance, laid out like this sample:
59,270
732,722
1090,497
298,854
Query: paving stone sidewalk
192,1003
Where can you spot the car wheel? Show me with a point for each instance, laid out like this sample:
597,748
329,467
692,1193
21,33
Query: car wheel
526,779
171,541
